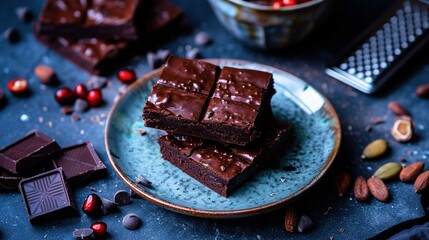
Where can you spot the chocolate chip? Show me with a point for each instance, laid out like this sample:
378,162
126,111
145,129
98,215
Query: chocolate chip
24,14
45,74
132,221
97,82
108,206
11,35
83,233
80,105
143,181
193,53
305,224
202,39
122,197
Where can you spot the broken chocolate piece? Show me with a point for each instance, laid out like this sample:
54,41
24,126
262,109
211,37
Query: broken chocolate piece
23,154
47,196
80,163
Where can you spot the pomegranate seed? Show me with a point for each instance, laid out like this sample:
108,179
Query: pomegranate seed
94,97
17,85
92,205
126,76
99,228
65,96
80,91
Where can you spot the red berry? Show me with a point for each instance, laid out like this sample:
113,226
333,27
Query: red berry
80,91
65,96
94,97
126,76
92,205
17,85
99,228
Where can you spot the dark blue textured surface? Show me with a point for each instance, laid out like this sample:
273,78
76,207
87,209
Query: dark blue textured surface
342,218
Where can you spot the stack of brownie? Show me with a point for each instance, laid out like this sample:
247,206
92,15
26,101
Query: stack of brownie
95,34
43,172
219,121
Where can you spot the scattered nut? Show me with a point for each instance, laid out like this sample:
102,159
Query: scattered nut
388,171
402,129
375,149
422,182
342,183
411,172
423,90
378,189
360,189
45,74
397,109
291,219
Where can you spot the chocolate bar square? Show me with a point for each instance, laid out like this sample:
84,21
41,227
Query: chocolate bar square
221,167
236,108
28,151
47,196
80,163
113,19
9,181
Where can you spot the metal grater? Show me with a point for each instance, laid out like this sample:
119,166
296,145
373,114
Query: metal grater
385,47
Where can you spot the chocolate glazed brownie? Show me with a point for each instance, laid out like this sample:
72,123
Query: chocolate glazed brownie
189,99
220,167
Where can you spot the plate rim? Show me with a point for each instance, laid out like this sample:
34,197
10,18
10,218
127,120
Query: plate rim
327,108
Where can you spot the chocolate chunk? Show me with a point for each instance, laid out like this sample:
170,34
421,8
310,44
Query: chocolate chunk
132,221
305,224
122,197
202,39
143,181
220,167
22,155
83,233
47,196
45,74
108,206
24,14
11,35
80,163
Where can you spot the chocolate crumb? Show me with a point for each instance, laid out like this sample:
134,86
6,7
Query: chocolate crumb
193,53
341,230
143,181
403,160
75,117
80,105
142,132
202,39
67,110
11,35
133,194
132,221
24,14
83,233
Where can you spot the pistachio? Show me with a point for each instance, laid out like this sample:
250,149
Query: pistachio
402,129
375,149
388,171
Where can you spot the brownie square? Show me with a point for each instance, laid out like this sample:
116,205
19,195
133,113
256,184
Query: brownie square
236,109
221,167
113,19
47,196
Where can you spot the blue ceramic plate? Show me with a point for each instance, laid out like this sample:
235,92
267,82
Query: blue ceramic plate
311,153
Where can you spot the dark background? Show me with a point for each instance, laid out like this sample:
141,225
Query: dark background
341,218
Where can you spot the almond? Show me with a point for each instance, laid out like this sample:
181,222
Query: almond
291,219
342,183
378,189
397,109
410,173
423,90
422,182
360,189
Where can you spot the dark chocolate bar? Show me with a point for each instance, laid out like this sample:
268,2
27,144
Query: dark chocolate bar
94,55
222,167
23,154
10,181
80,163
47,196
183,101
113,19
